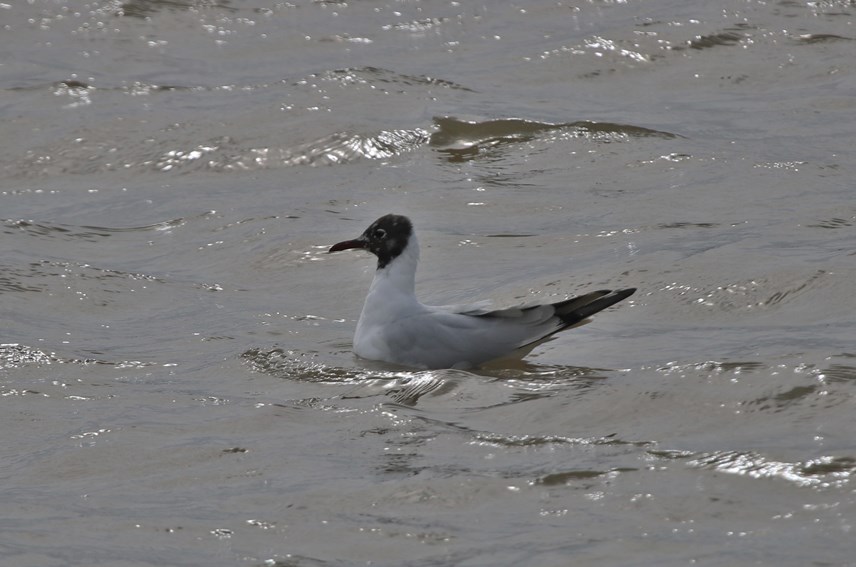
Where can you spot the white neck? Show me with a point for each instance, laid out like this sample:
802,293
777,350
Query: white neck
393,292
399,276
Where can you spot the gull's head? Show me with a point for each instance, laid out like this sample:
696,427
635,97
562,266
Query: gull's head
386,238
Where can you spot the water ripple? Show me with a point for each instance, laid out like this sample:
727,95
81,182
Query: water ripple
822,472
14,355
73,232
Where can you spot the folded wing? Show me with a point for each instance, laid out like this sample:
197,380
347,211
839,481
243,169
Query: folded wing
469,335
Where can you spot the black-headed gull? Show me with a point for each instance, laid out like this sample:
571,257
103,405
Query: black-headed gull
395,327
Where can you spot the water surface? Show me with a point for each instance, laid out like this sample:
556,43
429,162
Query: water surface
176,376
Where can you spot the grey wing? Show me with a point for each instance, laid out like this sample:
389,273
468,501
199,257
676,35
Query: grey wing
442,338
569,311
469,335
518,326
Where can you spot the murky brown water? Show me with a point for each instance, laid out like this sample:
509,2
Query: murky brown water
176,380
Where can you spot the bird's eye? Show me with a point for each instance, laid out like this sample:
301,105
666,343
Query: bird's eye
379,233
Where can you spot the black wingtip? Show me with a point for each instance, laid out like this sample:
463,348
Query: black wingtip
624,293
577,309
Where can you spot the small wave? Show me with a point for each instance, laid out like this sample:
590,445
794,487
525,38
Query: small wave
821,472
14,355
412,388
672,225
343,148
838,373
573,476
833,223
761,293
463,140
497,440
84,232
303,366
460,139
810,38
377,77
137,9
727,37
783,400
14,279
714,366
335,149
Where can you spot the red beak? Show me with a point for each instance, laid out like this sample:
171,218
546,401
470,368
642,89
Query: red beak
347,245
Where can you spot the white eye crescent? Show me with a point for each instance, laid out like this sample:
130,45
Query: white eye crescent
379,233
